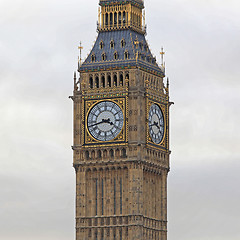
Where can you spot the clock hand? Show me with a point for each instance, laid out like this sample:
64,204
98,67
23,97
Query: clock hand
155,124
97,123
103,121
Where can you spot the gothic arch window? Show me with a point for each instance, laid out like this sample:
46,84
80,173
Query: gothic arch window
105,153
116,55
109,81
104,57
106,19
97,82
115,19
111,153
119,18
99,154
103,81
111,19
115,80
101,45
121,80
124,153
126,55
124,18
93,57
123,43
93,154
117,152
112,44
91,82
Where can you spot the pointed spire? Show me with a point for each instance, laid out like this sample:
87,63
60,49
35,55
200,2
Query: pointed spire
80,57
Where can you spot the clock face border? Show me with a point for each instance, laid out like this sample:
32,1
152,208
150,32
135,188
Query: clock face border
120,138
163,107
159,135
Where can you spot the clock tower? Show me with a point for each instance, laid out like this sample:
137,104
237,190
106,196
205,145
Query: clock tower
121,131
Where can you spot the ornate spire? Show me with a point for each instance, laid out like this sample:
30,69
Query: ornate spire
107,2
126,16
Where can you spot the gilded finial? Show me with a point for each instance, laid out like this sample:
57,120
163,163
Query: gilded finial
162,56
80,59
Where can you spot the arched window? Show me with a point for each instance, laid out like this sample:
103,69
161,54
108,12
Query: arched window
93,154
109,81
124,18
97,82
115,19
87,154
127,76
124,153
121,80
99,154
117,152
93,57
103,81
111,19
115,80
91,82
123,43
115,55
126,55
105,153
104,57
106,19
112,44
111,153
119,18
101,45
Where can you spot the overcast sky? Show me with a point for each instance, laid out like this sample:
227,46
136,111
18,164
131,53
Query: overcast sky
38,50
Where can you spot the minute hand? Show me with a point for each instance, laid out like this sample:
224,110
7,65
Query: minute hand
97,123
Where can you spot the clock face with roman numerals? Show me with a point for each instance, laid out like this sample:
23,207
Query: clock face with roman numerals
105,121
156,123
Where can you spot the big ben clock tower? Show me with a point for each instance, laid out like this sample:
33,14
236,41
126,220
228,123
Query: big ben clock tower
121,132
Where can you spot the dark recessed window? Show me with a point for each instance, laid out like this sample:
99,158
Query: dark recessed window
104,56
101,45
93,57
126,55
123,43
115,55
112,44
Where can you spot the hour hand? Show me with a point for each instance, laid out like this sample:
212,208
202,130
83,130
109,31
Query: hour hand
155,124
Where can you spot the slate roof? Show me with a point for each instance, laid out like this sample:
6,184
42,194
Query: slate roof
145,58
137,2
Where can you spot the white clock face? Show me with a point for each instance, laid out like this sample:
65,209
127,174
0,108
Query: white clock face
105,121
156,123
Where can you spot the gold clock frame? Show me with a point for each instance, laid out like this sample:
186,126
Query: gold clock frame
163,108
121,137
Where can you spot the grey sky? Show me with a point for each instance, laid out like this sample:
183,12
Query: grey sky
38,48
